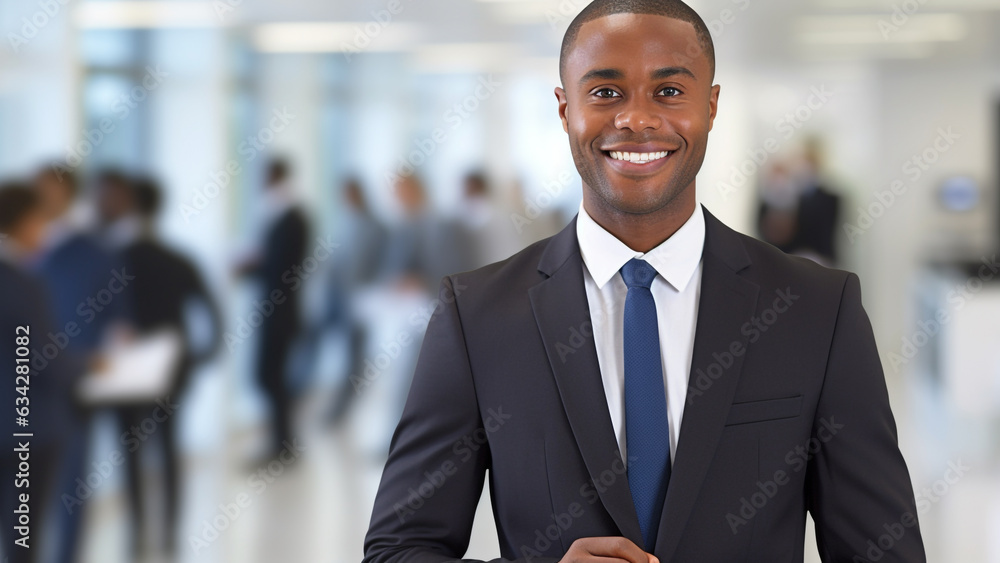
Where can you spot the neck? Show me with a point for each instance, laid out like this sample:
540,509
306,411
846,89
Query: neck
642,232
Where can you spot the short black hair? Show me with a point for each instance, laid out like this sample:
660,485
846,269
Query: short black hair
278,170
148,197
675,9
17,201
112,177
476,183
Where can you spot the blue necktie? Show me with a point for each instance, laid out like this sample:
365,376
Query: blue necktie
647,433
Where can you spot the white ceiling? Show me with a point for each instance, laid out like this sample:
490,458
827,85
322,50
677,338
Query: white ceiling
748,30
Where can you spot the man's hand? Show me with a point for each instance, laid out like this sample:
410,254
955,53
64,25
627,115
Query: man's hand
607,550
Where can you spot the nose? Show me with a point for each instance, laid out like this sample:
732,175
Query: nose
637,115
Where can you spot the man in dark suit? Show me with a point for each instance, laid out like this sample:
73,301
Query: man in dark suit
819,211
798,213
165,287
30,462
284,248
648,385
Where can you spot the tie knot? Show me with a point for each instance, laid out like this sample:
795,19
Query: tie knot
638,273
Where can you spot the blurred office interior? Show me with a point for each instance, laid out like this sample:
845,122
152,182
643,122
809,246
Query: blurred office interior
889,107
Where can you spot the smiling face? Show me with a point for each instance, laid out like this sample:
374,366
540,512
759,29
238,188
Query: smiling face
638,105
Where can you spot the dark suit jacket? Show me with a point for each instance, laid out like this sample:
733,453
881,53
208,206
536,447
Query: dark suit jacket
164,283
284,248
818,218
75,271
24,302
787,411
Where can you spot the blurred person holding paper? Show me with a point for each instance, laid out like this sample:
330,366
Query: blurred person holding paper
164,289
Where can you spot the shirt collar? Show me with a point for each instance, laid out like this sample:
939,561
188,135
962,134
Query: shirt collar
123,232
675,259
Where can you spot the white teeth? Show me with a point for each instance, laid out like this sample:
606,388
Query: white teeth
639,157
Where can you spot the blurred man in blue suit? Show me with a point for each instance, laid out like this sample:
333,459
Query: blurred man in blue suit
29,463
75,268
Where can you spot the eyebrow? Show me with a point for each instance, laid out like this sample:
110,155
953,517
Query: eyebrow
602,73
615,74
669,71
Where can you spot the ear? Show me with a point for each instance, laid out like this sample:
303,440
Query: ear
561,97
713,105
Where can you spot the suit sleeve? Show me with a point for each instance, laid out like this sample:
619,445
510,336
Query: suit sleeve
858,486
432,482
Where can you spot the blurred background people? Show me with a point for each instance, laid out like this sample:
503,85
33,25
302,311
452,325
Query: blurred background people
361,237
778,216
798,212
75,268
118,225
165,292
445,118
486,221
818,209
282,249
423,245
41,396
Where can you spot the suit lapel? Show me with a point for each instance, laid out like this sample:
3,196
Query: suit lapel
727,302
562,314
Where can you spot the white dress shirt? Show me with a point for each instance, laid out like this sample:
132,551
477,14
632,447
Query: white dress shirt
675,290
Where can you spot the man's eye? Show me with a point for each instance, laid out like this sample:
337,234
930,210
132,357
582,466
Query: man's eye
606,93
669,91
